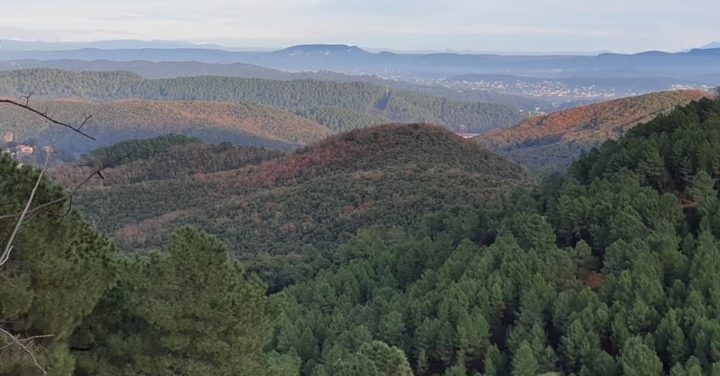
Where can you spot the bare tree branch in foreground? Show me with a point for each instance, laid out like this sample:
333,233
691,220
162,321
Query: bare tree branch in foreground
20,343
68,197
44,115
9,246
5,256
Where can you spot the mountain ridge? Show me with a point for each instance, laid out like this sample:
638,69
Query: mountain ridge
555,139
340,105
322,49
683,64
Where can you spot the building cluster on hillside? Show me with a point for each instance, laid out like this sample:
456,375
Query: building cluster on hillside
554,89
16,150
462,131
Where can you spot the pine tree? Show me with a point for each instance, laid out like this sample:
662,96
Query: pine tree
375,359
637,359
57,271
671,339
186,310
524,362
579,345
474,336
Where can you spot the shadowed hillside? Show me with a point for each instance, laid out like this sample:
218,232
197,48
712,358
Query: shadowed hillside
553,141
159,158
242,124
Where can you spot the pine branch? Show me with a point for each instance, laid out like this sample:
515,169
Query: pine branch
5,256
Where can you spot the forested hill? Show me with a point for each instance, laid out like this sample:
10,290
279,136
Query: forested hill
159,158
612,270
155,70
296,209
667,153
340,106
553,141
242,124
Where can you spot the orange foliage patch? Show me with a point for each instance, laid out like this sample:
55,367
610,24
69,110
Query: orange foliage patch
594,281
594,123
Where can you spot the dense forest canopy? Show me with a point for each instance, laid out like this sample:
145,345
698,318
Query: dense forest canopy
166,69
135,150
339,105
159,158
76,306
610,269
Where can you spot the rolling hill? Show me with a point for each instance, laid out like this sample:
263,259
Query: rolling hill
165,69
553,141
155,70
297,208
356,100
242,124
158,158
174,69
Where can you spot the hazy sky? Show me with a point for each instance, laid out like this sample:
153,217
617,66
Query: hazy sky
473,25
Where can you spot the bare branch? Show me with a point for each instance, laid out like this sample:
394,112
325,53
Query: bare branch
9,247
27,339
67,197
24,347
44,115
5,256
27,98
85,121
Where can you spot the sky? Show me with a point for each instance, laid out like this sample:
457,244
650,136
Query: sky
405,25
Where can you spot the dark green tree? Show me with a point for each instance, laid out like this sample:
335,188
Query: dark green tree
637,359
186,310
56,270
375,359
524,362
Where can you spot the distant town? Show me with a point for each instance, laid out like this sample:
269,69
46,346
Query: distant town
556,90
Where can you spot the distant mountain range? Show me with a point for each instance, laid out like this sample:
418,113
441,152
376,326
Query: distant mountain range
693,63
